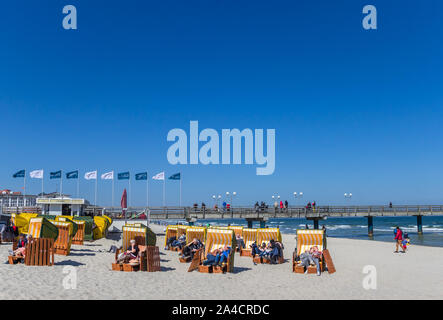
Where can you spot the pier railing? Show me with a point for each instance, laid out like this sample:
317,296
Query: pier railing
270,212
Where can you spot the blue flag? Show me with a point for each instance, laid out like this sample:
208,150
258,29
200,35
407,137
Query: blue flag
123,176
55,175
72,175
19,174
175,177
141,176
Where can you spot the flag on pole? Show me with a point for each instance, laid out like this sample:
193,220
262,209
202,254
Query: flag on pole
36,174
55,175
141,176
91,175
19,174
175,176
108,175
72,175
159,176
123,176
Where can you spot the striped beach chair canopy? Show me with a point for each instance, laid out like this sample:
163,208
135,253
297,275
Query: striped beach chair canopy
218,238
249,236
195,232
143,234
181,229
266,234
306,239
171,231
42,228
64,224
237,229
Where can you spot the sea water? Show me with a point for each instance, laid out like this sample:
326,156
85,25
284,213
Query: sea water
353,227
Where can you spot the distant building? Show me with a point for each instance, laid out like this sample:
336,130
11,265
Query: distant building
9,198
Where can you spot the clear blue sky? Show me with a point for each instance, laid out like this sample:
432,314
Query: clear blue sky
354,110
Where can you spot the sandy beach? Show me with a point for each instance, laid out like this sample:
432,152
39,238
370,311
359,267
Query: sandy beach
414,275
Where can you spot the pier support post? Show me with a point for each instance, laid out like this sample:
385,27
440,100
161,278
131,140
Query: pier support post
316,224
250,224
419,225
370,226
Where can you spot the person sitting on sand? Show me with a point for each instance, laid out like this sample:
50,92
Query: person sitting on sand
191,248
130,254
311,257
398,239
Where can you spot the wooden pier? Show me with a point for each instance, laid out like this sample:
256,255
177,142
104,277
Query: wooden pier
261,215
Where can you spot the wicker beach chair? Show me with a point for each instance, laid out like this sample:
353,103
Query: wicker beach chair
249,237
171,231
306,239
265,235
216,239
149,257
62,245
194,233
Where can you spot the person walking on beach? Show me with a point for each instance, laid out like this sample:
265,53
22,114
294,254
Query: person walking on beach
398,239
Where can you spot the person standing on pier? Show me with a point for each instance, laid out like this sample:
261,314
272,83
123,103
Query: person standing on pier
286,205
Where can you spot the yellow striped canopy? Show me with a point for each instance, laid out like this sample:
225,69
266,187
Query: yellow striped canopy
266,234
130,232
171,231
35,227
63,224
237,229
306,239
181,230
195,232
218,238
249,236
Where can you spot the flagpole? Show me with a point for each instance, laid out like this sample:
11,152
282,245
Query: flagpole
78,183
147,191
181,189
129,198
112,188
42,183
61,184
96,178
24,190
164,184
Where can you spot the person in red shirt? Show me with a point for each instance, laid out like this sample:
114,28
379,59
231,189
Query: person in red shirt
398,239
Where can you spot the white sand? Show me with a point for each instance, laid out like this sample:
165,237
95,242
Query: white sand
415,275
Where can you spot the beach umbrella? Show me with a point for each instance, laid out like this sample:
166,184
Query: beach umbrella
124,203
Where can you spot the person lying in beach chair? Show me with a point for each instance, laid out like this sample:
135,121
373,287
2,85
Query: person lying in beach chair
169,242
218,257
18,252
180,242
311,257
191,248
130,255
